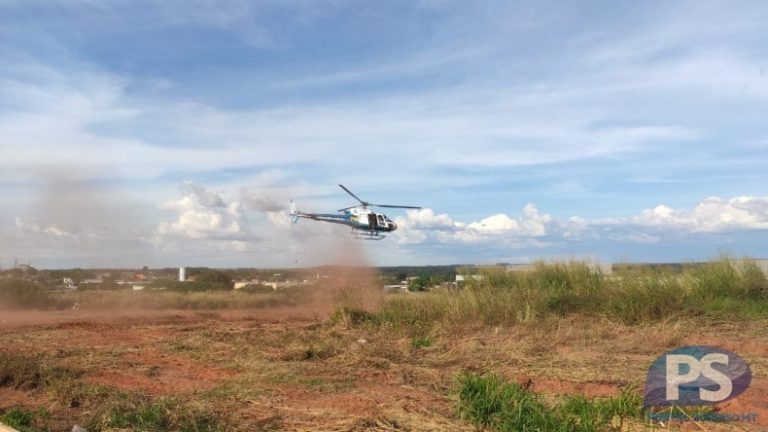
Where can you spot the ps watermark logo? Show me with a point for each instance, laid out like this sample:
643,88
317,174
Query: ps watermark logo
696,376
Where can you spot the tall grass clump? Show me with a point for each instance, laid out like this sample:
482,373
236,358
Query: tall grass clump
490,402
728,279
498,296
724,289
643,297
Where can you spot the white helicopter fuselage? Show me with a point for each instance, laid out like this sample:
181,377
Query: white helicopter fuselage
360,218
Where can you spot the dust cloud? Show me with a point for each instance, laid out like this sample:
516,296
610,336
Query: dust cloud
88,221
346,281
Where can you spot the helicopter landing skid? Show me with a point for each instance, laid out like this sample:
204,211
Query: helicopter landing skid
367,235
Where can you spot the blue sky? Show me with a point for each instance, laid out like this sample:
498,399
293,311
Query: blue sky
174,132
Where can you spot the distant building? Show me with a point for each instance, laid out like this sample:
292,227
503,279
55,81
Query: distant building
243,284
519,267
91,281
762,263
69,284
401,287
182,274
463,278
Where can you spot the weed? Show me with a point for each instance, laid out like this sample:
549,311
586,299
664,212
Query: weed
490,402
25,420
158,415
20,371
421,342
319,352
352,316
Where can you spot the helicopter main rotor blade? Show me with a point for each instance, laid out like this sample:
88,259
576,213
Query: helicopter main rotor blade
395,206
346,208
353,195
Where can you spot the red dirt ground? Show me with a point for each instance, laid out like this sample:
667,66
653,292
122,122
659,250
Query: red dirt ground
387,387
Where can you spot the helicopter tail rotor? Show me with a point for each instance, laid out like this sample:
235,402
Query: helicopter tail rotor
294,212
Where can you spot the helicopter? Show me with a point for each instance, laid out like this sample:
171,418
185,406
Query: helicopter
365,224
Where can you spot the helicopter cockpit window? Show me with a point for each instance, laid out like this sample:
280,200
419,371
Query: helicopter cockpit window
381,220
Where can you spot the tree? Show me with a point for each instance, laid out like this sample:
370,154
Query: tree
214,277
420,283
22,293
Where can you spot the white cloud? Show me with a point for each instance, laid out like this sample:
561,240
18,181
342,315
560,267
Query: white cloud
203,214
464,103
422,225
495,224
35,228
427,219
714,214
649,227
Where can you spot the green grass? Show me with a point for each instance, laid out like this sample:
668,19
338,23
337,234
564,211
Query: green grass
112,409
421,342
724,289
491,403
164,414
25,420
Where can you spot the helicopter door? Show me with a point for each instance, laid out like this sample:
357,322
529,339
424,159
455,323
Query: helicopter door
371,220
380,220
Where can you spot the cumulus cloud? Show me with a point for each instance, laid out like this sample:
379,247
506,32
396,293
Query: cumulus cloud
532,223
202,214
35,228
427,219
712,215
421,225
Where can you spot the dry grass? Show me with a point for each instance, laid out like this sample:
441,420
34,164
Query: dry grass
555,332
306,375
158,300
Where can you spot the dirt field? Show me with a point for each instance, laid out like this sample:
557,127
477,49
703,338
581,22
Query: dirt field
256,370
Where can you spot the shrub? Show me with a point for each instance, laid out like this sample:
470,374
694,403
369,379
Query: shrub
25,294
20,371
